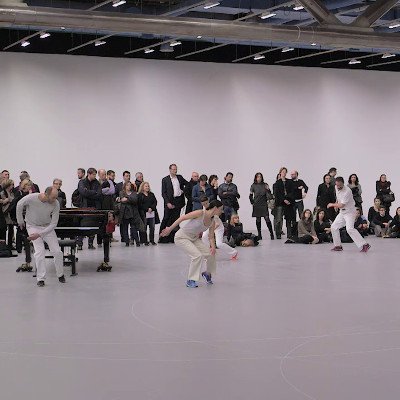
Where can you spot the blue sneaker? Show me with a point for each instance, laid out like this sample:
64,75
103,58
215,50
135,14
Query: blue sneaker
192,284
207,278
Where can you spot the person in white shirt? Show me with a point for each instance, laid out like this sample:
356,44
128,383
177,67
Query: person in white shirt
346,217
41,217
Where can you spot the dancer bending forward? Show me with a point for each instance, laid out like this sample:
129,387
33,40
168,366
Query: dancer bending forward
189,239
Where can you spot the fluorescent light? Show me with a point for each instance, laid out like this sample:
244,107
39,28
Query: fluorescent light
258,57
313,44
62,28
286,49
99,43
148,51
298,8
199,37
25,43
388,55
396,25
267,15
354,61
44,35
211,4
175,43
117,3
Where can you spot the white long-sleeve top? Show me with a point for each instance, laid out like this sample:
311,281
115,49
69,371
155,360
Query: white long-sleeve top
38,213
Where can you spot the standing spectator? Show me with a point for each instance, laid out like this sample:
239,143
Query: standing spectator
25,175
90,194
300,192
213,182
355,187
284,204
62,199
5,175
189,191
172,190
229,195
108,191
7,202
138,180
260,193
384,193
326,195
148,211
126,177
382,222
81,173
332,173
102,174
200,190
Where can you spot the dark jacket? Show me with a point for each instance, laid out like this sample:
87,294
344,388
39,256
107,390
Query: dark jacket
90,192
167,191
379,220
283,191
108,189
197,194
298,193
382,188
325,195
230,199
372,213
189,189
320,228
146,202
62,199
395,222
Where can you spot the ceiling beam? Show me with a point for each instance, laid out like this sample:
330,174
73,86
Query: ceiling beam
320,53
352,58
96,6
373,13
217,46
22,40
258,53
148,47
319,11
110,23
383,63
88,43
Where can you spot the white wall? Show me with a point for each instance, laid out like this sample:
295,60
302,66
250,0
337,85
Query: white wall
58,113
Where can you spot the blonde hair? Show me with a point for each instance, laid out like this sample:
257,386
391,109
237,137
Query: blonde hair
141,187
26,182
7,183
232,217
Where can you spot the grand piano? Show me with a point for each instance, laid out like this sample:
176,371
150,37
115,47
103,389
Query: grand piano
79,222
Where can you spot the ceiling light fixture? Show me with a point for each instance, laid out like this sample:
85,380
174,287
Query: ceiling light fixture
388,55
44,35
286,49
313,44
211,4
298,7
117,3
62,28
258,57
396,25
148,51
266,15
25,43
175,43
199,37
99,43
354,61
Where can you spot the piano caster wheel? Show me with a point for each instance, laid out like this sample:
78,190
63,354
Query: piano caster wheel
104,267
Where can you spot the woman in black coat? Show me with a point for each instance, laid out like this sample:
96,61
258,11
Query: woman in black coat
148,211
322,227
326,195
384,193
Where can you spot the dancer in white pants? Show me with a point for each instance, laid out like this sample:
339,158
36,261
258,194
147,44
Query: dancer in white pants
41,217
189,239
346,217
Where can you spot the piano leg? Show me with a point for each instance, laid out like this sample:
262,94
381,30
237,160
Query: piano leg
106,248
73,262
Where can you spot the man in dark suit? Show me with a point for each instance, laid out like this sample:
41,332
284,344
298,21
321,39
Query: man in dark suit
172,190
284,192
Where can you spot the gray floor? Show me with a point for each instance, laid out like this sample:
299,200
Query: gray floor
282,322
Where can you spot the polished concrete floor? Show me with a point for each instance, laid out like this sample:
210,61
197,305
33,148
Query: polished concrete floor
283,322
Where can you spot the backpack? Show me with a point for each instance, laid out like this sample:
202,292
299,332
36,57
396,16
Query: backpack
76,198
5,251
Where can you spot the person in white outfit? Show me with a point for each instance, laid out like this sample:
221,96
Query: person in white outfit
41,217
346,217
189,239
219,235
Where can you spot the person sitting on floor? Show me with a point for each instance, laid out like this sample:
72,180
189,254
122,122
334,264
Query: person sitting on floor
395,225
237,237
361,223
322,227
305,230
382,222
372,213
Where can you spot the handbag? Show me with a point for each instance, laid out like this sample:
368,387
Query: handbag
388,198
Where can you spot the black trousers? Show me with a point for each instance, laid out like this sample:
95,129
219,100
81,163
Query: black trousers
307,239
151,224
170,216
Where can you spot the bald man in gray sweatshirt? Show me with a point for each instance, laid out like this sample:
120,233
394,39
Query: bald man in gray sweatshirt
41,217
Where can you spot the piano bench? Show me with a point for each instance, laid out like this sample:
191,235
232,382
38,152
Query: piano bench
69,259
67,243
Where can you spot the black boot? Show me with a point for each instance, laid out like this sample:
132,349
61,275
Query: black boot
271,231
258,225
